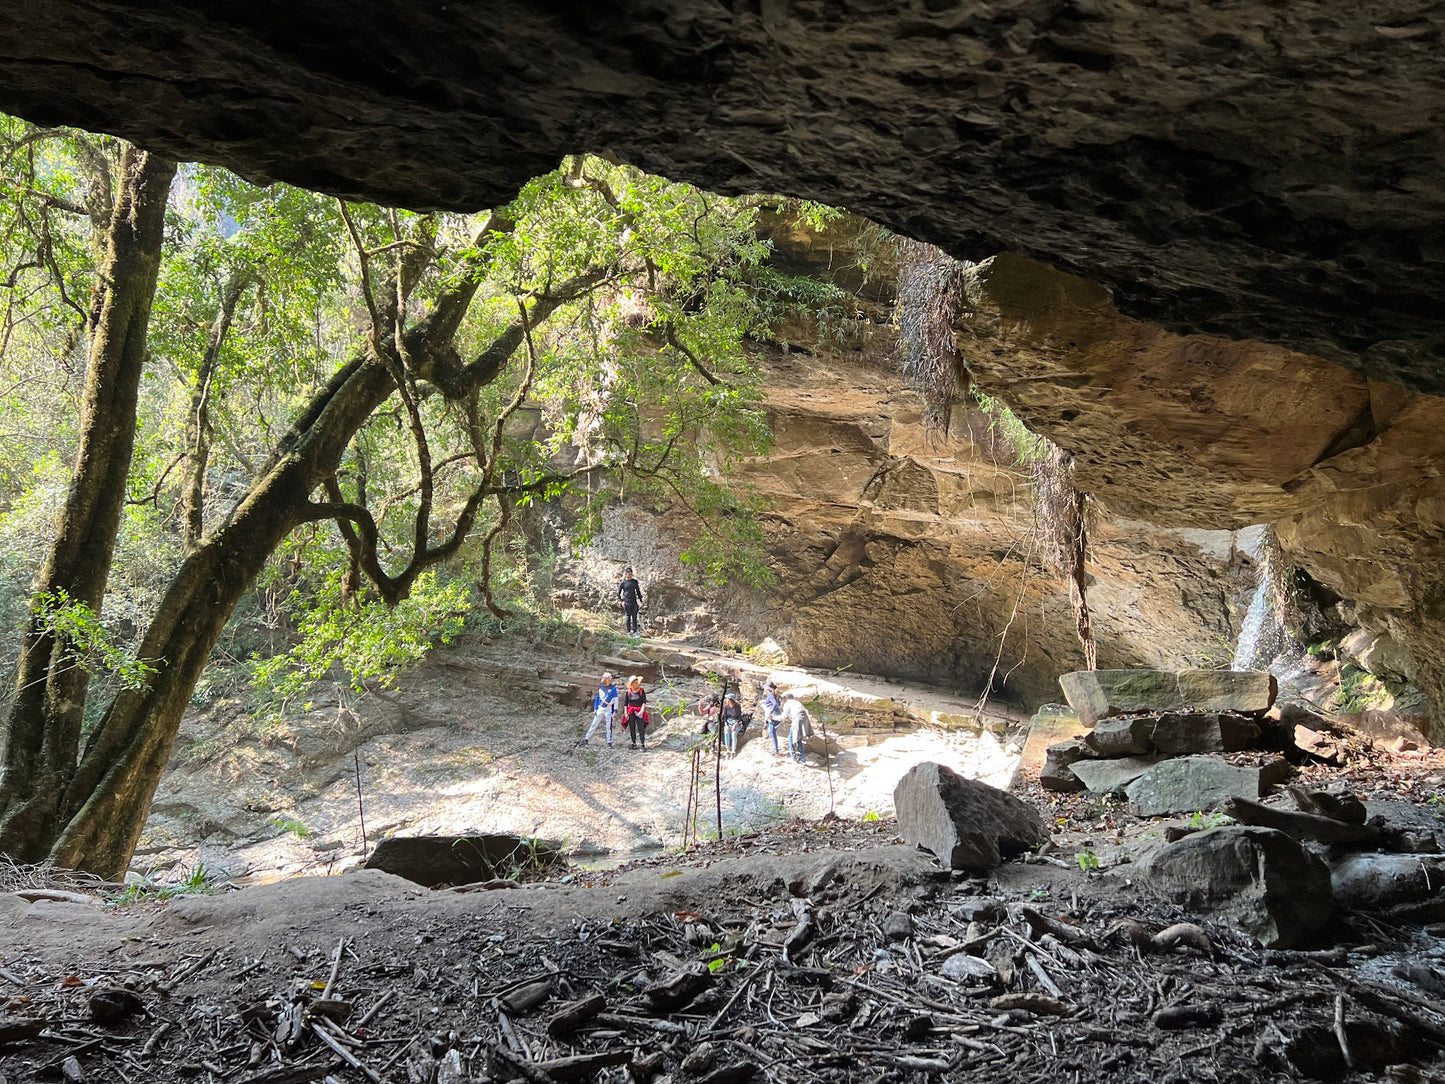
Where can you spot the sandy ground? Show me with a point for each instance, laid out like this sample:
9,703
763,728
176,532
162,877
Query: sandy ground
483,738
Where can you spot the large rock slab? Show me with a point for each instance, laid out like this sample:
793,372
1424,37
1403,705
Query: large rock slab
459,860
1189,784
1051,725
965,823
1202,732
1122,737
1100,694
1259,879
1113,775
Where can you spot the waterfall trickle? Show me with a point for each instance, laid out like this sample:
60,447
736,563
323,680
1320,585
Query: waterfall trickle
1252,630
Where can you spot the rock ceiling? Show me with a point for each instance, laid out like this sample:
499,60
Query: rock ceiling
1199,201
1267,171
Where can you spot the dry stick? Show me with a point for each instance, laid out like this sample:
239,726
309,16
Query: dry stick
1043,976
204,961
717,762
360,808
335,969
827,759
739,992
370,1013
1340,1030
155,1039
402,1050
344,1054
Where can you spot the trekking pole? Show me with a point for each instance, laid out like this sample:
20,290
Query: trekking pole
717,757
827,759
360,807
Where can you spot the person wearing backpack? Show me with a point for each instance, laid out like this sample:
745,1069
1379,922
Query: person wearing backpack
800,727
629,593
604,708
634,712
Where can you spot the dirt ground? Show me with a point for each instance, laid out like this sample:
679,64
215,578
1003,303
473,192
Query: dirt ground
803,946
823,951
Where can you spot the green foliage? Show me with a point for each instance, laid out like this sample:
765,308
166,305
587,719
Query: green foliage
293,826
1361,690
1087,859
1025,447
1200,821
364,640
84,640
196,882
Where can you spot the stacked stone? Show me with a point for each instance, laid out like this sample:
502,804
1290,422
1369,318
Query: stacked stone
1148,729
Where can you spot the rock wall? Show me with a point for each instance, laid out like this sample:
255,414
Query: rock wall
1263,171
1207,432
904,554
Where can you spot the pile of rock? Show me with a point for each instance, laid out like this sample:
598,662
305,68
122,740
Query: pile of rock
1152,733
1281,873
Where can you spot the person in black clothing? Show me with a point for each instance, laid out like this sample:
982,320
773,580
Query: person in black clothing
634,712
629,593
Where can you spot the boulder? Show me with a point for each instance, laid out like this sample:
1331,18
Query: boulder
1055,773
1051,725
1378,653
1187,784
1098,694
1248,692
1368,882
1101,694
1111,776
1202,732
459,860
965,823
1259,879
1122,737
1318,744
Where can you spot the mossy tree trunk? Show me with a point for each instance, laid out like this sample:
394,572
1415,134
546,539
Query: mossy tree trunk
43,730
97,813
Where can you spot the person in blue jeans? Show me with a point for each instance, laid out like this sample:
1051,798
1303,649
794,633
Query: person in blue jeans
772,714
604,708
731,721
800,727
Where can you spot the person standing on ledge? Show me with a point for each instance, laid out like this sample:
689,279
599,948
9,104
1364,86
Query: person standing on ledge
629,593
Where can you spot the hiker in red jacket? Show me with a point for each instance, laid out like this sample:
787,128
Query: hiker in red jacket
634,712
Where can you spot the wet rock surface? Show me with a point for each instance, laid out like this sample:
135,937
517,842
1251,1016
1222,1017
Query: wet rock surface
1268,174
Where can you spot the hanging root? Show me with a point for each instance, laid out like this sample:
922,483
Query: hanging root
930,296
1063,522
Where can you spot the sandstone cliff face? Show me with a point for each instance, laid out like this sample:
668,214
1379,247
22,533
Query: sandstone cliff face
906,554
1205,432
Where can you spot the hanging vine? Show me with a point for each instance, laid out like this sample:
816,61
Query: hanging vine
930,298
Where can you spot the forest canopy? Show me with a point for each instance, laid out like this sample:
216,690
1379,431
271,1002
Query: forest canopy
325,417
